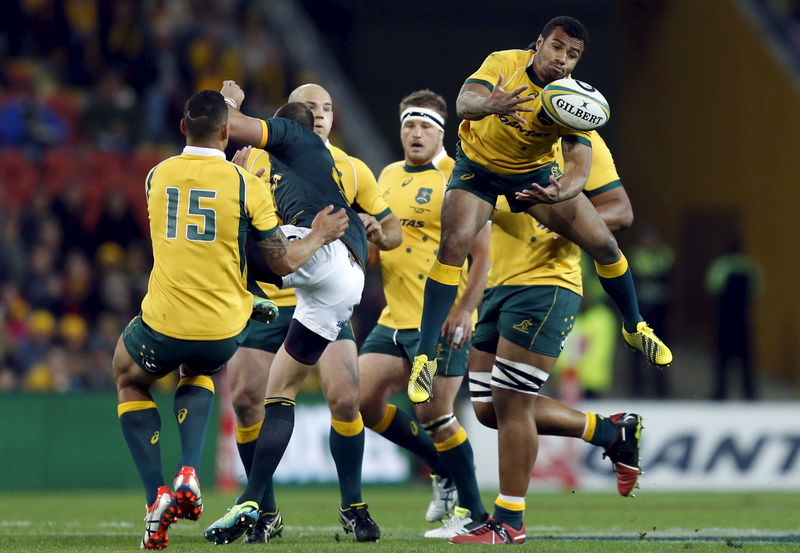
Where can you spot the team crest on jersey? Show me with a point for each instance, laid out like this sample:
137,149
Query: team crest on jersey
424,195
275,181
523,326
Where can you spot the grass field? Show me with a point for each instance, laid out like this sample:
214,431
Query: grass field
111,522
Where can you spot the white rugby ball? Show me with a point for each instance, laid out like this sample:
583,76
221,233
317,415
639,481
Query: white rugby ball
575,104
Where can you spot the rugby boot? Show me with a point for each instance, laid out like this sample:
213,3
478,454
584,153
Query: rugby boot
492,532
269,525
356,520
444,498
646,341
233,524
624,451
157,519
187,492
264,310
420,384
460,522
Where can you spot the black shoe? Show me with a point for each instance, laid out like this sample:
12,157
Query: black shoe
268,526
624,451
356,521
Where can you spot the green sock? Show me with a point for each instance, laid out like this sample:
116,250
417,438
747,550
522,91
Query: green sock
399,428
605,432
617,281
441,288
347,449
512,518
246,438
456,453
194,399
141,426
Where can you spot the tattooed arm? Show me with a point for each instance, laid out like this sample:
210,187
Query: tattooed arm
284,257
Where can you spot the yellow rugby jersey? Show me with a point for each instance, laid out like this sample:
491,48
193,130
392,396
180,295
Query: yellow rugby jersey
360,189
415,195
200,208
499,142
539,258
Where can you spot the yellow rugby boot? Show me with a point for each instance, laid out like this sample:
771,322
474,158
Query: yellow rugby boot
646,341
420,384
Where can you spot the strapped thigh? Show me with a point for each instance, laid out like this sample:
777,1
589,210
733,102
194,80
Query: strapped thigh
516,376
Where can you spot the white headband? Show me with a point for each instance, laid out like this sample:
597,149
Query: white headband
422,114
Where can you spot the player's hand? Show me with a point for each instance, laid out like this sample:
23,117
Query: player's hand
233,91
555,192
373,228
330,224
240,158
457,328
501,102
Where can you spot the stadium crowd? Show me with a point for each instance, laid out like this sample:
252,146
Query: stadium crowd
90,96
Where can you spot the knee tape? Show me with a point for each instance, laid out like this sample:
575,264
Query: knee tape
438,424
480,389
516,376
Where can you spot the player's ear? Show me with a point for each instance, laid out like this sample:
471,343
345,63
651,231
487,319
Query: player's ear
182,126
223,131
539,42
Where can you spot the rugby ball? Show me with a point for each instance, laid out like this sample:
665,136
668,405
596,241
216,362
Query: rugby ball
575,104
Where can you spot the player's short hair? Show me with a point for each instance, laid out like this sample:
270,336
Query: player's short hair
204,113
571,26
297,112
425,99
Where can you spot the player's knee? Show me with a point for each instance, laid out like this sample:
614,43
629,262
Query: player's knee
607,252
343,404
485,414
438,426
454,246
372,410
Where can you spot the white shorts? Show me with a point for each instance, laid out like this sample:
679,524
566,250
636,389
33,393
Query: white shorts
328,287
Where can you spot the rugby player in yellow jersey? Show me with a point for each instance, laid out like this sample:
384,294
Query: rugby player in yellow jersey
414,189
197,307
506,149
525,317
248,369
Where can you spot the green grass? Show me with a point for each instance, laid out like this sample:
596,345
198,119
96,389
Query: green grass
556,522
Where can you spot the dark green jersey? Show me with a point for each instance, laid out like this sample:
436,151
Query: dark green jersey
305,180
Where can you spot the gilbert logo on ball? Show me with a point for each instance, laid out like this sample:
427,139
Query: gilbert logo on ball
575,104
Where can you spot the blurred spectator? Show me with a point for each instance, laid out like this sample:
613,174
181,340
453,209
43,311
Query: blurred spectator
38,342
734,280
26,121
70,210
652,261
12,253
117,223
42,285
78,285
112,119
213,57
32,216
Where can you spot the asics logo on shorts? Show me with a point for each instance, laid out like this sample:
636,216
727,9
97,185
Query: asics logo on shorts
467,176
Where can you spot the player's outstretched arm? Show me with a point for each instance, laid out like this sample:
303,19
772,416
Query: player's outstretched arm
475,101
241,128
284,256
614,207
577,164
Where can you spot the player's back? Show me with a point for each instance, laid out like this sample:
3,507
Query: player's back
198,224
304,180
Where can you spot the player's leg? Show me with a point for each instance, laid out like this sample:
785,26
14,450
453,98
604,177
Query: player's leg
141,426
578,221
463,215
338,370
451,441
517,376
383,370
248,373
